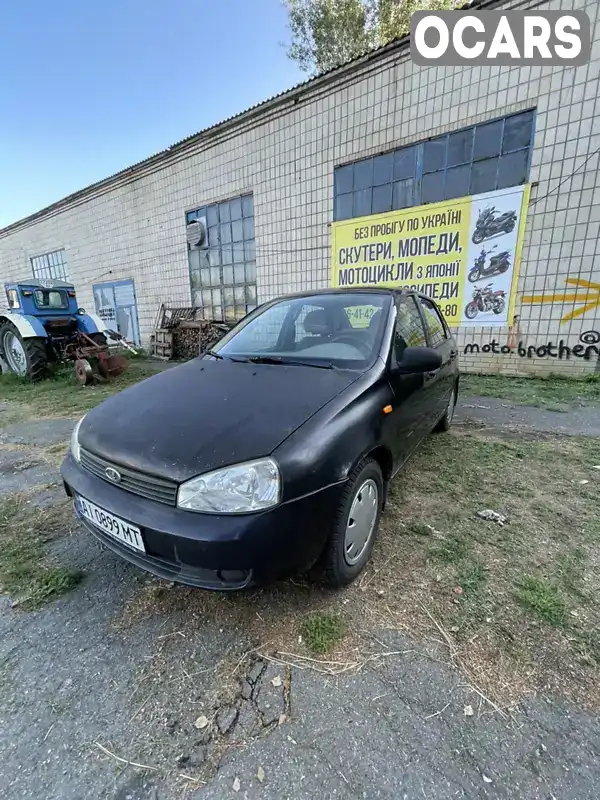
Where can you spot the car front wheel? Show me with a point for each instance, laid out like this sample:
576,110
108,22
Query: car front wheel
355,525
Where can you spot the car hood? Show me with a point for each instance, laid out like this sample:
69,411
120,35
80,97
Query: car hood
207,414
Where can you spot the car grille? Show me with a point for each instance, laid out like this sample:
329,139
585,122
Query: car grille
159,489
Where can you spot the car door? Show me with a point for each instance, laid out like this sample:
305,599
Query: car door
409,420
438,385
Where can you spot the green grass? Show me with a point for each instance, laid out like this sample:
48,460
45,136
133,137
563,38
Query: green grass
60,394
450,550
569,570
502,621
554,392
420,529
322,631
543,598
471,577
25,571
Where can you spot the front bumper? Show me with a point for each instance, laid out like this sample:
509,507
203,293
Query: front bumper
212,551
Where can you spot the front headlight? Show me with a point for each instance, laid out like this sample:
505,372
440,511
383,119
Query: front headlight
75,449
233,490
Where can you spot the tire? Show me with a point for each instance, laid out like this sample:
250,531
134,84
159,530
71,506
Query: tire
500,306
471,310
338,569
474,275
477,237
32,350
446,420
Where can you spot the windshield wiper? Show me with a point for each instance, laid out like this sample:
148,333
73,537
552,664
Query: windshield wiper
222,358
287,362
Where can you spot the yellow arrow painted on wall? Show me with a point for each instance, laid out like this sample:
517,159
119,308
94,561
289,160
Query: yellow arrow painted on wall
585,292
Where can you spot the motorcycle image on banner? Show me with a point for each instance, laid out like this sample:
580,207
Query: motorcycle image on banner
493,215
488,224
498,264
485,301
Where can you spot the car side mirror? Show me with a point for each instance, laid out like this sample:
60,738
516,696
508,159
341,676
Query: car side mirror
417,360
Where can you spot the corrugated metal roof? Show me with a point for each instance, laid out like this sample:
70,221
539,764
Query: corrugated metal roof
323,77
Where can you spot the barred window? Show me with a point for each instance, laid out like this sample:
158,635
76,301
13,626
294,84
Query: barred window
50,266
223,268
481,158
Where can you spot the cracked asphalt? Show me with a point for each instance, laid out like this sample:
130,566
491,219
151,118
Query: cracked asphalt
86,681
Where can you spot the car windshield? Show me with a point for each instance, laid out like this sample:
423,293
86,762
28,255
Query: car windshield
328,330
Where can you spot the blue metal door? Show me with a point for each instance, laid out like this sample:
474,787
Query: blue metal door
117,308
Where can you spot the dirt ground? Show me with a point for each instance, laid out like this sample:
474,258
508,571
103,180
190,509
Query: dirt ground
463,663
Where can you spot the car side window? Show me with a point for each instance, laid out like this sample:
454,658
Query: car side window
435,323
409,327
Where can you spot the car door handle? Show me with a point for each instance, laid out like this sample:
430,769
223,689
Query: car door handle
453,354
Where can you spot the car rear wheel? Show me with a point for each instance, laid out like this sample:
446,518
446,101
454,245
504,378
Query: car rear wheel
355,525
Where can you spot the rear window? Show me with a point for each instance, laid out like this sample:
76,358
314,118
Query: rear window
50,298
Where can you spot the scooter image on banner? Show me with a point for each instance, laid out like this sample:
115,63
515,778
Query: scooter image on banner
498,264
484,300
488,224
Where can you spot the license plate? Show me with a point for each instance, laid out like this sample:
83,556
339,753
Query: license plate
113,526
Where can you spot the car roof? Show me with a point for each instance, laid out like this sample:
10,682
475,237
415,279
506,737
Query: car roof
377,290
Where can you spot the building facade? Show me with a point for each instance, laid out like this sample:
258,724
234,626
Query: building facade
248,209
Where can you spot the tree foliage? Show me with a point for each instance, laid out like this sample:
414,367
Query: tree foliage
326,33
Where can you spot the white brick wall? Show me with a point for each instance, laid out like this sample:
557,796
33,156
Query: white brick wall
285,154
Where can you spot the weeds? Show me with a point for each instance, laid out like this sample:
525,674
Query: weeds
543,598
553,392
470,573
322,631
570,571
60,393
450,550
25,571
421,529
471,577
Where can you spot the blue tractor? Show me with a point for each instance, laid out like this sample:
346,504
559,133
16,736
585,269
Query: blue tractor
43,325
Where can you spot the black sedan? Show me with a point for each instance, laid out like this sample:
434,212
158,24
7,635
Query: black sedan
273,451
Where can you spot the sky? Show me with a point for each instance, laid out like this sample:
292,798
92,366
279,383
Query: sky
89,88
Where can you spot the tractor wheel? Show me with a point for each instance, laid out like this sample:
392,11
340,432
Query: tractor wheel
27,358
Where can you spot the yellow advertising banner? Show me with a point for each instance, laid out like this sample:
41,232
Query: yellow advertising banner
462,253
